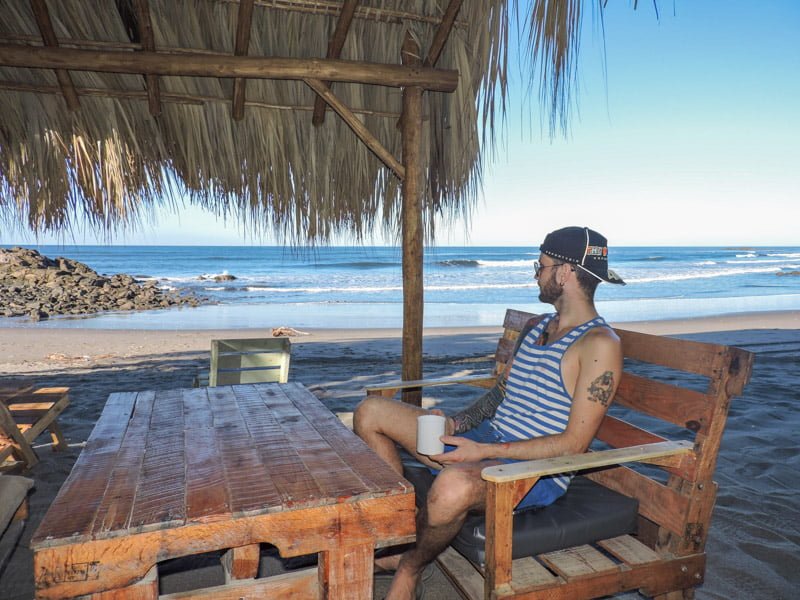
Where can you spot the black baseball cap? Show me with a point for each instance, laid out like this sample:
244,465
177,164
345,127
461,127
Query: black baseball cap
582,247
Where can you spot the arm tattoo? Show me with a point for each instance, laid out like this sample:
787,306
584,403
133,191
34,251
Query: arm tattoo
601,388
483,408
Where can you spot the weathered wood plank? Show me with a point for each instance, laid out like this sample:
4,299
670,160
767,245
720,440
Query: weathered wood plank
161,490
300,584
674,404
684,355
461,573
657,502
579,561
578,462
629,550
528,572
250,476
73,511
355,456
114,510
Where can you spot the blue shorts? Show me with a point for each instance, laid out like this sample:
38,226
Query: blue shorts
543,493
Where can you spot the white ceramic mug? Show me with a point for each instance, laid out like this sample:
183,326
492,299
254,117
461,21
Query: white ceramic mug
429,429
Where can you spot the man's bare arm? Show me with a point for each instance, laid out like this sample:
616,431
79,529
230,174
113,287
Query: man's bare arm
600,359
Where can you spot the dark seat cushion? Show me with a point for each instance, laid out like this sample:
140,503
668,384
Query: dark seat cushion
586,513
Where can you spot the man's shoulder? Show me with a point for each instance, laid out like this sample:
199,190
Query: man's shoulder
601,339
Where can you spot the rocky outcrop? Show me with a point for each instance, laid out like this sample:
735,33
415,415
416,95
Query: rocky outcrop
35,285
789,273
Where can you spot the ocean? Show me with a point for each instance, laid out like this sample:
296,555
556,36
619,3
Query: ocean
352,287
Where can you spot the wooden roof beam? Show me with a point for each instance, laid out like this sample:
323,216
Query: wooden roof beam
334,51
45,25
442,33
244,24
204,65
145,26
364,134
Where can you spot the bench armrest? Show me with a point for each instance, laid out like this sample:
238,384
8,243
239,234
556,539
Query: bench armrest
657,453
390,388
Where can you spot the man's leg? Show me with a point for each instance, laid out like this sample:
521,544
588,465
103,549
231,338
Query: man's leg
383,423
456,490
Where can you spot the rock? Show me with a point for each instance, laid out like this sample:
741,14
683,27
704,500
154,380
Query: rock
224,277
35,285
787,273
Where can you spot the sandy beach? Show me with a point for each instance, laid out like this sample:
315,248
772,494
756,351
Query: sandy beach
754,543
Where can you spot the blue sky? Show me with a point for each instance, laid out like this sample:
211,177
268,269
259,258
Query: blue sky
686,133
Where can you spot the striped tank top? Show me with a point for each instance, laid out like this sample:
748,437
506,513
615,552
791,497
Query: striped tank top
536,401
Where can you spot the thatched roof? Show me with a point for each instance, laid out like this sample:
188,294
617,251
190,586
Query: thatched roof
120,143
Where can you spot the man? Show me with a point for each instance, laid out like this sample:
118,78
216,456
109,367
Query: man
549,402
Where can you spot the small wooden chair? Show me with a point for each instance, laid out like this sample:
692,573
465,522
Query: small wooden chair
253,360
24,415
618,527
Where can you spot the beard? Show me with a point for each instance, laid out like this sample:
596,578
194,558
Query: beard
550,291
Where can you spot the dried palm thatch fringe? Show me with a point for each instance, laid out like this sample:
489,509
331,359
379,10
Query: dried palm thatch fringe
110,163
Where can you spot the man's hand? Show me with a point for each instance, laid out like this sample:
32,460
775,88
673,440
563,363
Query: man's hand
466,451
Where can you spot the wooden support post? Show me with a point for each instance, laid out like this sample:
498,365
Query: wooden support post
45,25
334,51
148,45
241,562
439,39
413,234
243,27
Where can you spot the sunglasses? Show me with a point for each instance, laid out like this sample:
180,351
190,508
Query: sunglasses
538,267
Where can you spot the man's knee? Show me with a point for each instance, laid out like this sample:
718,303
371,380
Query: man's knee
454,492
366,416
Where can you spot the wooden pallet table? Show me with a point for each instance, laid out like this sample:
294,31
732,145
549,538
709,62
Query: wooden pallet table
174,473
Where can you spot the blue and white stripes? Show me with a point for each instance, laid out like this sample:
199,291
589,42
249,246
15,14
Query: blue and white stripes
537,402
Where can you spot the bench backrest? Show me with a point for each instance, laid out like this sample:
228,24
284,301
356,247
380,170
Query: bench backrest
676,498
250,360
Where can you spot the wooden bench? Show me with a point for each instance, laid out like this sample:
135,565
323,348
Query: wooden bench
24,415
665,428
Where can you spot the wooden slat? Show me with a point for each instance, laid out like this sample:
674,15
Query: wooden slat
149,45
114,510
657,502
268,447
206,484
461,573
578,462
332,476
161,490
577,562
334,51
15,440
674,404
619,434
240,48
685,355
254,481
73,511
354,452
528,572
629,550
299,584
481,380
45,26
